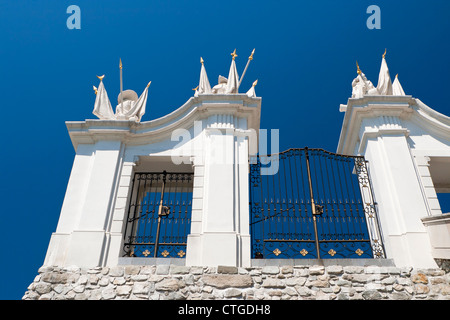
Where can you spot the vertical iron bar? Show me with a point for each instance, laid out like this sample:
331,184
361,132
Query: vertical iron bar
358,215
278,206
290,219
177,213
313,206
317,154
351,217
286,202
304,197
139,222
136,177
154,178
332,234
298,198
167,223
263,203
159,214
143,220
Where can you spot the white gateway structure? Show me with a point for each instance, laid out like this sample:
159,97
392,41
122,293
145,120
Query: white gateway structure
177,189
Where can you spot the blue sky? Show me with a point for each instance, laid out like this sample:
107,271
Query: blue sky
304,62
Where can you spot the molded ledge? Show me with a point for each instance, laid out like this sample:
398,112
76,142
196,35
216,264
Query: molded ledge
196,108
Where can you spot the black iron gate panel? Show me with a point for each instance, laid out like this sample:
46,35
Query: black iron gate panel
318,205
159,215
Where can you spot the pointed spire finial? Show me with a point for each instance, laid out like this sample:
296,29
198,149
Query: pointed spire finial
384,54
120,63
255,83
251,56
95,89
234,55
195,88
101,77
357,68
201,60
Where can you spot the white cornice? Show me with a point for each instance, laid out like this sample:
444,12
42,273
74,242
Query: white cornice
403,107
368,107
196,108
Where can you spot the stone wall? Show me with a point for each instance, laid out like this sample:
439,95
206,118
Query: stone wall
172,282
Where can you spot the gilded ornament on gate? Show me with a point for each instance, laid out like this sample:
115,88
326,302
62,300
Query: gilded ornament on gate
304,252
146,252
181,253
165,253
276,252
359,252
332,252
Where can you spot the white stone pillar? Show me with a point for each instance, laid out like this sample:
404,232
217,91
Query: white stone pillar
82,232
220,217
377,128
401,204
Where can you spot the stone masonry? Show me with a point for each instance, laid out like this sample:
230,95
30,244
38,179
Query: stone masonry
172,282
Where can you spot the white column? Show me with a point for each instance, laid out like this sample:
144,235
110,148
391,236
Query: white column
401,203
72,205
220,214
82,232
118,223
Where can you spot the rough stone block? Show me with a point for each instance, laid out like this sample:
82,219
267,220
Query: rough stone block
116,271
227,269
372,295
132,270
162,269
179,269
419,278
270,270
222,281
316,270
55,278
169,284
273,283
335,270
232,293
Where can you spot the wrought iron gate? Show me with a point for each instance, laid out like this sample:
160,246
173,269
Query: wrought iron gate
319,205
159,215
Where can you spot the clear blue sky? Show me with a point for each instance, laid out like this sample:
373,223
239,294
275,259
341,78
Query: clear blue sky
304,60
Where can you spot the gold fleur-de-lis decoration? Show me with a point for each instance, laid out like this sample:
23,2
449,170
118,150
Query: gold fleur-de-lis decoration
331,252
277,252
181,253
146,252
165,253
359,252
303,252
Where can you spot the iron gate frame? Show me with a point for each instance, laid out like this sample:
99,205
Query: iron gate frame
144,212
317,208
